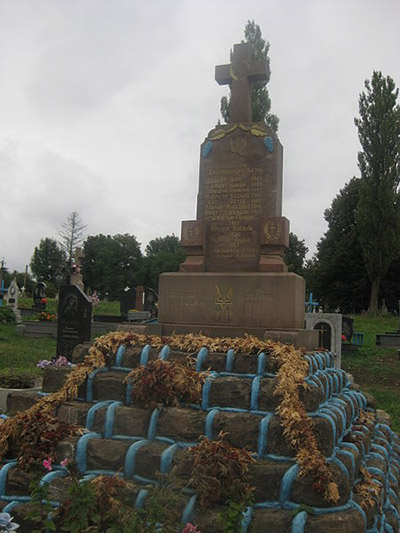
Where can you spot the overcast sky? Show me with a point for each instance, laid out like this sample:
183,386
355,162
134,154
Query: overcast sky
104,105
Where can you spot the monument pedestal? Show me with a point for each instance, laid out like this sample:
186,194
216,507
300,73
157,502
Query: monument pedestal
234,279
269,305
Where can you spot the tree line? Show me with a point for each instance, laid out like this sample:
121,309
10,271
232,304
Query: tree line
110,263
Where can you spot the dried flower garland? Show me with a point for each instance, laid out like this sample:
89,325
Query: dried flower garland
369,492
297,425
290,363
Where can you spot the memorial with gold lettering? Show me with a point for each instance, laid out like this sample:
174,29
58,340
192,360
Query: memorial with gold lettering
234,279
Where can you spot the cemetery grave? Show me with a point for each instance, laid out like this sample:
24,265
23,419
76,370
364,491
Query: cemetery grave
342,475
250,428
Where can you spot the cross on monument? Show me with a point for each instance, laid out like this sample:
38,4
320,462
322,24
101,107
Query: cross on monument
239,74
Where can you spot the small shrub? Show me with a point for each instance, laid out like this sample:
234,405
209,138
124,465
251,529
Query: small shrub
6,315
36,438
219,473
167,383
15,381
95,506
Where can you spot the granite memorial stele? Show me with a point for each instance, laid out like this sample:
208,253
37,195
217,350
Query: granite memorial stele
234,279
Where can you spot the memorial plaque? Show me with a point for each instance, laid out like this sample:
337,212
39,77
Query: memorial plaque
234,279
74,319
240,182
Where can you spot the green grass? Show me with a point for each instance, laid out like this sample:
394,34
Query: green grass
108,308
105,308
19,355
377,369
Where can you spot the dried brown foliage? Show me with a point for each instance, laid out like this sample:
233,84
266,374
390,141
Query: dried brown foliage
166,382
289,363
38,438
15,427
368,491
298,427
106,489
220,472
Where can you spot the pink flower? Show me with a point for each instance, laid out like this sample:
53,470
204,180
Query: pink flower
190,528
64,462
47,464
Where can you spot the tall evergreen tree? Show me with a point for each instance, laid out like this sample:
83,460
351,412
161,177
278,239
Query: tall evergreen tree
378,216
261,102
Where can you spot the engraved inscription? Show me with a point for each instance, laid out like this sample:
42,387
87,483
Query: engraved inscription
255,304
232,206
184,298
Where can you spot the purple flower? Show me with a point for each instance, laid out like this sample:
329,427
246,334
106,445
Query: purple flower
44,363
61,361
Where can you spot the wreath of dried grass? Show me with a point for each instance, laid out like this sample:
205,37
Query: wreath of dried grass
291,366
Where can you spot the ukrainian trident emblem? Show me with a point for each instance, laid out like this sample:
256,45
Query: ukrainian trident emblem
223,303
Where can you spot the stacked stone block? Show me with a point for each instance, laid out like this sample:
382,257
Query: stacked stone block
238,398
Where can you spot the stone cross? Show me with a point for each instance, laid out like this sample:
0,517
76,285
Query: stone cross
239,74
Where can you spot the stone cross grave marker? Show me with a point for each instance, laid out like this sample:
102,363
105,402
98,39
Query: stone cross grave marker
234,278
74,319
239,224
239,74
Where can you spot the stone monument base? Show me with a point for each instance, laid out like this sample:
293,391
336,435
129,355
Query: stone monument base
268,305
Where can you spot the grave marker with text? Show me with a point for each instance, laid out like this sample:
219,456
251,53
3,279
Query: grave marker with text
74,319
234,279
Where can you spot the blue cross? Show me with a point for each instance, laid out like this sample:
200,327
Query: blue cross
311,305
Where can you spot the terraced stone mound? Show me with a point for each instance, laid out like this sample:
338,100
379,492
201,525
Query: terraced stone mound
143,444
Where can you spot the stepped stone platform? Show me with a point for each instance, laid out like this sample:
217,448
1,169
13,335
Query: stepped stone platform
140,444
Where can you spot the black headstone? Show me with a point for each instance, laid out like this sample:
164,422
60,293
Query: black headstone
39,295
74,319
127,301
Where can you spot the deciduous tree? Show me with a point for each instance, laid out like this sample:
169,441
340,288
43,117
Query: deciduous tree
71,235
163,254
337,275
111,263
378,215
295,255
48,261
